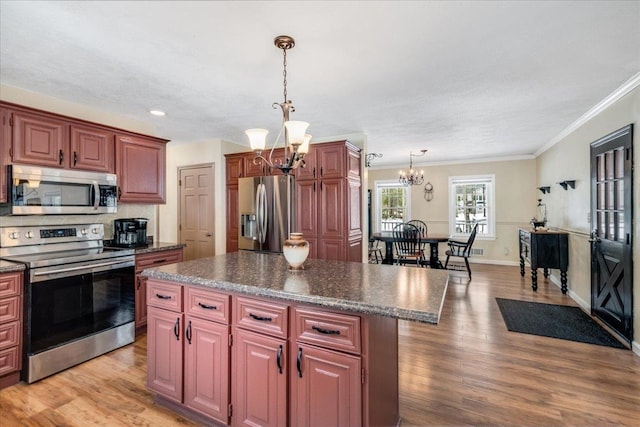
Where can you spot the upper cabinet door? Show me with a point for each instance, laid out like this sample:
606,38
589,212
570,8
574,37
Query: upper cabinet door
234,168
39,140
331,159
92,149
310,170
5,155
140,165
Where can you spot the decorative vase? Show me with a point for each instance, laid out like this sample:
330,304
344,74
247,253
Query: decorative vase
296,251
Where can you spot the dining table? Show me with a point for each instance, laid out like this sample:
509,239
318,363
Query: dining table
432,239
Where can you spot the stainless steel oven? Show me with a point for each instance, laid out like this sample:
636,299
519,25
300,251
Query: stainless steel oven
79,295
36,190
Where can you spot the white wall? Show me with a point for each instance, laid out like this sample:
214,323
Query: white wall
567,210
516,200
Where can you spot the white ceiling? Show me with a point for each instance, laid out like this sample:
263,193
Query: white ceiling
465,80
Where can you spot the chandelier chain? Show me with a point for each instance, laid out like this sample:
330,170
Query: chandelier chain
284,73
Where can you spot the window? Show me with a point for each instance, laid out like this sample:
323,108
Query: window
471,200
392,204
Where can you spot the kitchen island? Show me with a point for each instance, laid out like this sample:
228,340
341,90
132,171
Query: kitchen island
238,338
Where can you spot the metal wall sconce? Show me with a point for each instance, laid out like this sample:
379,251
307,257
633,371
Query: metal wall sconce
370,156
545,190
565,184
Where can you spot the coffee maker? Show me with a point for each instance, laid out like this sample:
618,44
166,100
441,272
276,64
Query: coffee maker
130,232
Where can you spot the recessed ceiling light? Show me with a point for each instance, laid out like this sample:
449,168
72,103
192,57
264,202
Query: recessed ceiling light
157,112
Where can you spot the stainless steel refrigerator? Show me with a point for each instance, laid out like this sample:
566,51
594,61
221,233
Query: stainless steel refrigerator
266,205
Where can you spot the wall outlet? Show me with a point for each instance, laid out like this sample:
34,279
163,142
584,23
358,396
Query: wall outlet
506,251
588,217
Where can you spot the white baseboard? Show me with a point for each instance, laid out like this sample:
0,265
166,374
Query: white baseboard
476,260
635,346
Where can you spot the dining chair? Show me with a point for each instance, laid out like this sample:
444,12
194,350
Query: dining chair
462,249
406,241
375,253
422,227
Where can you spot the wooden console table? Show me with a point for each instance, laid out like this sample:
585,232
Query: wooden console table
544,249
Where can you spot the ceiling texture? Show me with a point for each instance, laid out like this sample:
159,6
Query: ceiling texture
466,80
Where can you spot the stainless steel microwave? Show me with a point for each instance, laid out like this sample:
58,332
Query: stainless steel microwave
34,190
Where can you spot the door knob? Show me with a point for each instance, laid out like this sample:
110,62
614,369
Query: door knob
209,234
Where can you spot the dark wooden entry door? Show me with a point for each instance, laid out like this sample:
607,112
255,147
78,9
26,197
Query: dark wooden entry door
611,216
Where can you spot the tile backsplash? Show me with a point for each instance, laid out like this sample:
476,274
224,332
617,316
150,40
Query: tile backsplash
124,211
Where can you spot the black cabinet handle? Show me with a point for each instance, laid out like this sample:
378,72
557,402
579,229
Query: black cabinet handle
260,318
321,185
299,362
75,158
60,156
119,193
187,333
207,307
279,359
314,186
176,329
326,331
321,170
314,171
159,261
138,280
163,296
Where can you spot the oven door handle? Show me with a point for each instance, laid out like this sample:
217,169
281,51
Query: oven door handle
80,267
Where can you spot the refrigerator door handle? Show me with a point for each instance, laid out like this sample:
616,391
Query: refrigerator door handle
261,196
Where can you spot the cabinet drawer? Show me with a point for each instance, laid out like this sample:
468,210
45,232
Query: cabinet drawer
9,334
330,330
208,305
157,258
261,316
164,295
10,284
9,360
10,309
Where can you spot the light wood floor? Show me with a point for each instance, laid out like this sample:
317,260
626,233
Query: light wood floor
468,370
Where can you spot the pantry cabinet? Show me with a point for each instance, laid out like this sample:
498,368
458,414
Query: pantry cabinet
328,201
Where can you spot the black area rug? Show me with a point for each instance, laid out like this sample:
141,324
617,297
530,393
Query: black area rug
556,321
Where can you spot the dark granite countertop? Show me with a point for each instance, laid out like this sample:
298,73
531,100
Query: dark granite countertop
9,267
159,247
407,293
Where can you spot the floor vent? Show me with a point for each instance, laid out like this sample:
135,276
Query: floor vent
477,251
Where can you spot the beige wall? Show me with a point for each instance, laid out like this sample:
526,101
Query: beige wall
204,152
567,210
58,106
515,197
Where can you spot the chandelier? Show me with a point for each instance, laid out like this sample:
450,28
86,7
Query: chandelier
296,141
412,177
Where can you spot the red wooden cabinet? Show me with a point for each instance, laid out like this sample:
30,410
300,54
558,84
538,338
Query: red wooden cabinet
233,218
10,328
328,201
141,164
154,259
188,355
5,151
92,149
260,380
206,367
326,388
39,140
164,352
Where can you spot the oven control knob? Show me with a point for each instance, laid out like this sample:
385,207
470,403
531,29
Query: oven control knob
15,235
95,230
84,231
29,234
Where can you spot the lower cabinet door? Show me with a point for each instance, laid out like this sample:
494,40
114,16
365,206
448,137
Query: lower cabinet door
326,388
141,301
206,368
260,380
164,352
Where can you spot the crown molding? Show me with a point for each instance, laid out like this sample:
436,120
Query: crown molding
456,162
607,102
